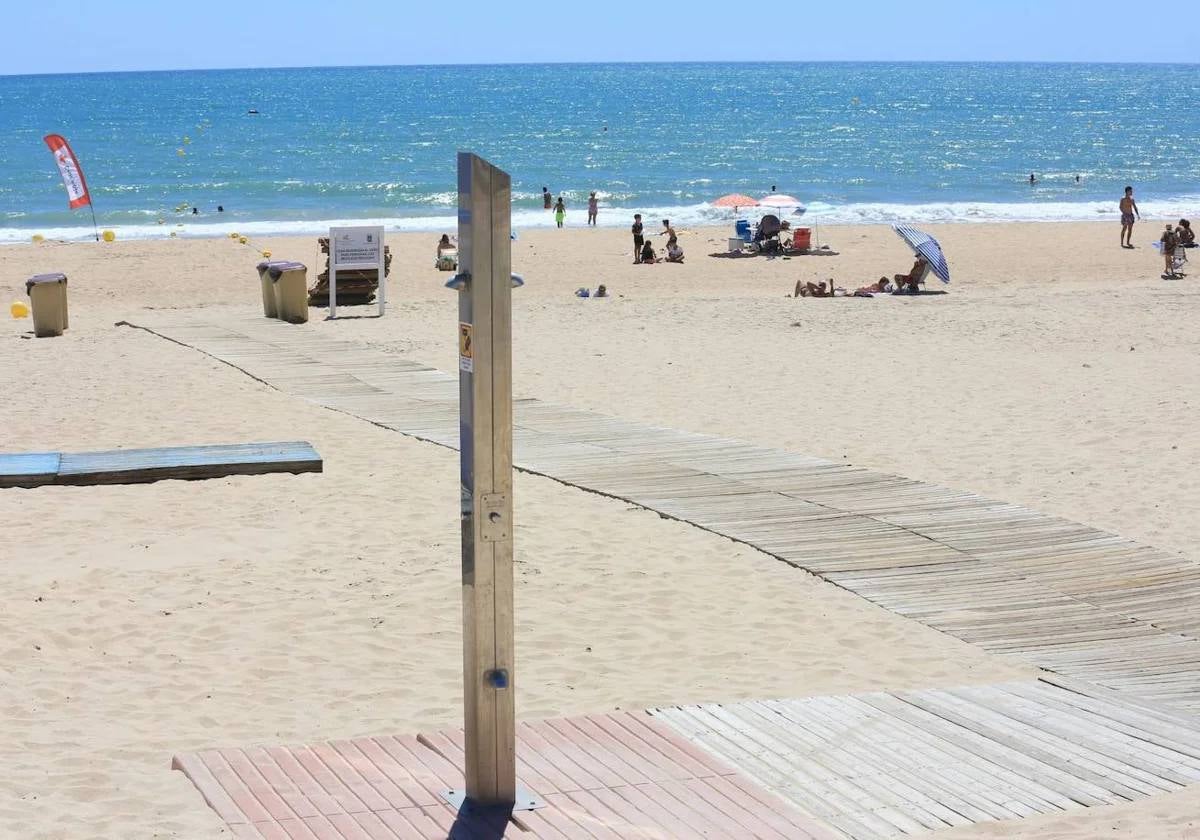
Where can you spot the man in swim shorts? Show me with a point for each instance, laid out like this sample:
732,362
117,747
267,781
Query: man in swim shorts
1128,210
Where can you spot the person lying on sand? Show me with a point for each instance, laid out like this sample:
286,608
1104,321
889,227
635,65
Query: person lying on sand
881,285
811,289
911,282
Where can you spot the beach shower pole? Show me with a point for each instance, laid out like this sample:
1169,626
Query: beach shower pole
484,285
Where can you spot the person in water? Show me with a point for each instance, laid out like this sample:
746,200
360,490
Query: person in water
1128,210
547,201
560,212
593,209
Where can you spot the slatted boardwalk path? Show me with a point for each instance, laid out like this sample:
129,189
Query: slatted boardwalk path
141,466
889,764
1066,597
608,777
867,766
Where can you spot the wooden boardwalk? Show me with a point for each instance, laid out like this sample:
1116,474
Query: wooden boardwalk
868,766
1063,596
889,764
140,466
607,777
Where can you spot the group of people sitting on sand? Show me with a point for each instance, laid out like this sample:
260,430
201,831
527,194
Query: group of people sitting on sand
647,255
900,284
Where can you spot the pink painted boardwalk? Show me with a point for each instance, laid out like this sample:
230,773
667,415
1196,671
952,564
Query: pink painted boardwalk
609,777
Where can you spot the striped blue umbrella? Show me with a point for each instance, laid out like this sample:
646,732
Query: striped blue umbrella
925,247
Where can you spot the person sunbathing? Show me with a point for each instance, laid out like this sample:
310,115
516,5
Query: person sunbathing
811,289
911,282
881,285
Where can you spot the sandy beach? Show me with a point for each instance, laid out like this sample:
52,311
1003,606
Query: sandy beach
1058,372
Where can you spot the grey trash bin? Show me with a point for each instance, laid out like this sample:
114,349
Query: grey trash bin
48,299
291,290
268,290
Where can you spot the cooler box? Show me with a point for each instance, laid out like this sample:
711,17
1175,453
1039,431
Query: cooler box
291,290
268,291
742,226
802,239
48,300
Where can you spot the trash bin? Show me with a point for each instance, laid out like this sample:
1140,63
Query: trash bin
291,291
268,290
48,299
802,239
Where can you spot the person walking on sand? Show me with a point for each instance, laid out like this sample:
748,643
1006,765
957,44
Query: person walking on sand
638,239
560,212
1129,209
546,200
593,208
1169,242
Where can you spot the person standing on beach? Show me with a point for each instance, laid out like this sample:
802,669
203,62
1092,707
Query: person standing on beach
560,212
638,239
593,208
1128,210
546,201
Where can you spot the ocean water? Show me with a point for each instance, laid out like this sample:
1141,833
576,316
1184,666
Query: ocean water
856,142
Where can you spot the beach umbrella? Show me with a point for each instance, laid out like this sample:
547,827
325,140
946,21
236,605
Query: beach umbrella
735,200
925,247
781,201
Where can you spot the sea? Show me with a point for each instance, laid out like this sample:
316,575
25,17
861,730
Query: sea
297,150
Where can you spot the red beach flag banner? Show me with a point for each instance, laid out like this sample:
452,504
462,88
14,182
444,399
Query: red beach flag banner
69,168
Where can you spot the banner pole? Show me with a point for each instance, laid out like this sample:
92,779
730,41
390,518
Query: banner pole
95,227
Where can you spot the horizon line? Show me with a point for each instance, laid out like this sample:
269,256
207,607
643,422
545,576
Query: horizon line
448,65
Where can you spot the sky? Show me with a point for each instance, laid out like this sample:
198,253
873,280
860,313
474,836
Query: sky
71,36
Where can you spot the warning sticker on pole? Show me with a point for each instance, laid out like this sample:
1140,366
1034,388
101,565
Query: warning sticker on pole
466,359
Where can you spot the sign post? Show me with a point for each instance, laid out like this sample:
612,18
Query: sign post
356,249
484,286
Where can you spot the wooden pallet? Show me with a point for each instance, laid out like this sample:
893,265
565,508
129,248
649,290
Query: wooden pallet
611,777
1018,583
139,466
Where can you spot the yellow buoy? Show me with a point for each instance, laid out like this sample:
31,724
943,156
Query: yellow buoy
242,239
234,235
174,233
37,237
266,255
180,152
109,236
19,309
186,139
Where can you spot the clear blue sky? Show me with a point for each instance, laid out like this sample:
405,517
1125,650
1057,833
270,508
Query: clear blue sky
99,35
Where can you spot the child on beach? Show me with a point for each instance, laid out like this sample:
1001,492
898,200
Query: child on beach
648,256
638,239
560,212
1128,209
1169,242
593,208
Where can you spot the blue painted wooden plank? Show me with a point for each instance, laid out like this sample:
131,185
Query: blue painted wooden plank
132,466
28,469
